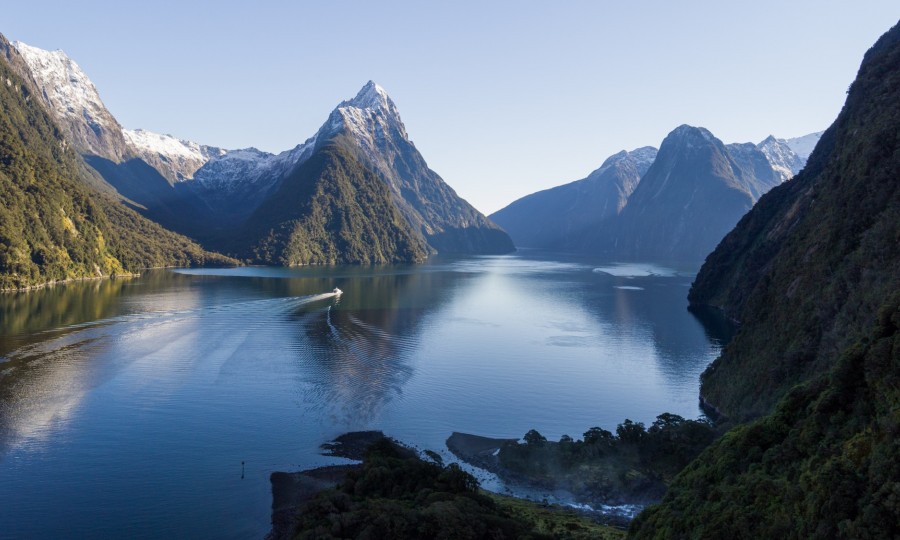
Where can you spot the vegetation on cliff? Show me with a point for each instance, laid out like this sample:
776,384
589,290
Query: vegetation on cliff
631,466
813,273
331,210
806,270
52,225
823,465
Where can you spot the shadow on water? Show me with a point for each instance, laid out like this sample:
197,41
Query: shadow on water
719,328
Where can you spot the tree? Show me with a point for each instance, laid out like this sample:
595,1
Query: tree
534,438
631,432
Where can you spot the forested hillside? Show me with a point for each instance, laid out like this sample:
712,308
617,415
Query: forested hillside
52,225
331,210
813,274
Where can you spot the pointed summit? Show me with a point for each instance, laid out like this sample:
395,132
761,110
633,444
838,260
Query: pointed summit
784,161
371,96
370,111
369,125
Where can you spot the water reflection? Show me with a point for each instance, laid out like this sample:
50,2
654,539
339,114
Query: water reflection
171,380
359,351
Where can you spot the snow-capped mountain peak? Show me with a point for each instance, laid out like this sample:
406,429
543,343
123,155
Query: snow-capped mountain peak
804,145
74,101
169,145
783,160
370,96
63,82
640,158
372,113
176,159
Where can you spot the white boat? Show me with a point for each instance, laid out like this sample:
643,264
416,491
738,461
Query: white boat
337,291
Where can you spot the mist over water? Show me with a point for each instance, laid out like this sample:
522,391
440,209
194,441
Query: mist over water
127,407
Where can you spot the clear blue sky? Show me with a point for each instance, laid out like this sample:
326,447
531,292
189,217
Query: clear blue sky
502,98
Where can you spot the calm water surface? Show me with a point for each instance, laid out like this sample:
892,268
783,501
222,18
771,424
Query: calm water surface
127,407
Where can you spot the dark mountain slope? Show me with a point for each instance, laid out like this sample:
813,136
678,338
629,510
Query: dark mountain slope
560,217
330,210
688,200
806,270
813,273
153,196
823,465
54,227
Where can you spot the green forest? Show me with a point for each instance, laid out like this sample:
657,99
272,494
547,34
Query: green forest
631,466
54,227
395,494
813,274
331,210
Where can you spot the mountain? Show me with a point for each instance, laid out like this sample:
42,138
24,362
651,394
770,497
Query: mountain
371,128
698,189
782,158
331,210
557,217
803,145
209,193
175,159
691,196
52,225
813,275
74,103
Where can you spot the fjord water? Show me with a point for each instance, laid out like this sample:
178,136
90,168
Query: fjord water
157,407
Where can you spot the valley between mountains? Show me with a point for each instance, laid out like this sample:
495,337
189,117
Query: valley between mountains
795,241
359,192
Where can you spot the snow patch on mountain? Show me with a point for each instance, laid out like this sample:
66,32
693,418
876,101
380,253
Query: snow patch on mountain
234,169
803,145
640,158
170,146
784,161
643,157
371,118
65,85
176,159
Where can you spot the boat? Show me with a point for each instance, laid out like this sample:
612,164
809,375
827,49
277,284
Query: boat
337,291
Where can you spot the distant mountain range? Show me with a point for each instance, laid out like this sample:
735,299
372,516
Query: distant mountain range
269,208
672,205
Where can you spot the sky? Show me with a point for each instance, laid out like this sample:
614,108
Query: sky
501,98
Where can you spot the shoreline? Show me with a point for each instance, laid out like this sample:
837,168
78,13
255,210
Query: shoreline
61,282
127,275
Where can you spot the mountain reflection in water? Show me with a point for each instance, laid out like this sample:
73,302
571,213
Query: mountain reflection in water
124,404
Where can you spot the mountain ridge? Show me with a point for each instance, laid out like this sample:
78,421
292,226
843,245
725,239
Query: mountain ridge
577,216
212,191
813,374
53,225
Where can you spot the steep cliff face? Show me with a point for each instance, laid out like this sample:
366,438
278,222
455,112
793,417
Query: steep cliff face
813,274
52,225
73,101
806,270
